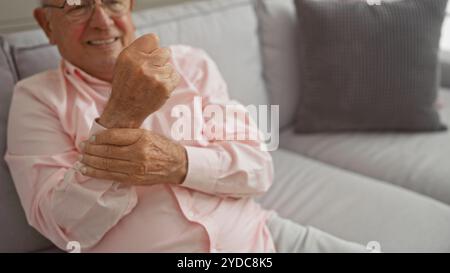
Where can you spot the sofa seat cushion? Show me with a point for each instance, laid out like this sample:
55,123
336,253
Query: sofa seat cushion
419,162
355,207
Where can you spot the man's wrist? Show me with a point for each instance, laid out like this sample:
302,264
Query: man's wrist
113,118
110,122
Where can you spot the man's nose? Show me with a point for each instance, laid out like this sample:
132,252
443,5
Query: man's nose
100,18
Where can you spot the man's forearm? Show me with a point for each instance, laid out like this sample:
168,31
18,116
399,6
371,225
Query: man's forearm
115,118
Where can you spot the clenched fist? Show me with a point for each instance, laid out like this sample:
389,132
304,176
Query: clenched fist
143,80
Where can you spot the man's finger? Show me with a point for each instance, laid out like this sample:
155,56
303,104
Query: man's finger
113,165
160,57
107,151
173,82
146,43
118,137
105,175
163,72
176,78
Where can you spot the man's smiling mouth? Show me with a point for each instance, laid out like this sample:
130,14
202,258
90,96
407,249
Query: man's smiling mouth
102,42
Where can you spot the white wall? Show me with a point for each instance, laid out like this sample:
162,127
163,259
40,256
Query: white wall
17,14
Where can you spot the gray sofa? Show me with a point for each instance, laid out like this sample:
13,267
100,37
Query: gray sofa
390,188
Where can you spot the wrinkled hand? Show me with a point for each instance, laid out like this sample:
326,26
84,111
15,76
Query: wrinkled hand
143,80
134,156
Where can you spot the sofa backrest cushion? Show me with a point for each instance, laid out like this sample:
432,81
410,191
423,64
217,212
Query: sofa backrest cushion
280,42
15,233
225,29
32,53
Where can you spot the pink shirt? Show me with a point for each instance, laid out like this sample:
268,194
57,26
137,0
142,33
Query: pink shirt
213,211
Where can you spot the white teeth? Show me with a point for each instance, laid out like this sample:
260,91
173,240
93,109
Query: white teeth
102,42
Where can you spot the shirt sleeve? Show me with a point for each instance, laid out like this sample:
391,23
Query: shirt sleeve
58,201
227,161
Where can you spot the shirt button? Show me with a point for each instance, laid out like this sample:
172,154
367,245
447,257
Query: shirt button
190,214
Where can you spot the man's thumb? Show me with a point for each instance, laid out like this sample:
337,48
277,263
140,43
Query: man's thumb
146,43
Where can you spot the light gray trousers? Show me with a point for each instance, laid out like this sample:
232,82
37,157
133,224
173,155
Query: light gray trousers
291,237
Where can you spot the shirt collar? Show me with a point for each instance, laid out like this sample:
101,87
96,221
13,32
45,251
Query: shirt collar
70,69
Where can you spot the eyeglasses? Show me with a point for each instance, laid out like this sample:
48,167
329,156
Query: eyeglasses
80,11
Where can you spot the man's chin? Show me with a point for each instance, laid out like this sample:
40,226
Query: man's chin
100,67
104,59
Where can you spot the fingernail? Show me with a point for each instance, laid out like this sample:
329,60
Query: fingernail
83,170
80,158
82,145
92,139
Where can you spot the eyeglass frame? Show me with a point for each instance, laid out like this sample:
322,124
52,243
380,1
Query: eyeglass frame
64,5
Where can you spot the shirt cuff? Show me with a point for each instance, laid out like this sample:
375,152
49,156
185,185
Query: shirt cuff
203,169
88,208
96,128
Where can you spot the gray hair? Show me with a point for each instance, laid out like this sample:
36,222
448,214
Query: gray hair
43,2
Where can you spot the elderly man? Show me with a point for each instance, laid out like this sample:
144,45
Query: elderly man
93,160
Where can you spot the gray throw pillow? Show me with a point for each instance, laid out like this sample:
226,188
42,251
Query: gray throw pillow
369,67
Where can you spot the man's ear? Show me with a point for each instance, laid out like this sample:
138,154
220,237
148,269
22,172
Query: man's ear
40,15
131,10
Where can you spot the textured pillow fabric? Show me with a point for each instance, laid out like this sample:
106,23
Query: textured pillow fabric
369,67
